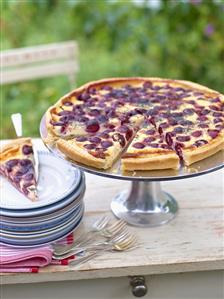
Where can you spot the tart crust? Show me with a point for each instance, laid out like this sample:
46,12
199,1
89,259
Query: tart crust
74,152
151,162
193,154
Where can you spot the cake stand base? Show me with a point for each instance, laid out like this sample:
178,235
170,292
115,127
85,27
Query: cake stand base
145,205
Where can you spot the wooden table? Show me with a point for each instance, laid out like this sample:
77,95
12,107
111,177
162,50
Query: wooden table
193,241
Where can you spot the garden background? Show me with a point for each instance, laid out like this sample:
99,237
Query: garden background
166,38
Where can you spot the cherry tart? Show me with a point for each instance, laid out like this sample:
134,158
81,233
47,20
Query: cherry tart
152,123
17,165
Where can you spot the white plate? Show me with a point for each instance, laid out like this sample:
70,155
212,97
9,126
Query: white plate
45,211
57,179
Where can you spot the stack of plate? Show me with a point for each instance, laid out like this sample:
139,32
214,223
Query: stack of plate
56,214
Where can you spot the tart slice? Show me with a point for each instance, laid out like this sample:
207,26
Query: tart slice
99,150
149,150
17,165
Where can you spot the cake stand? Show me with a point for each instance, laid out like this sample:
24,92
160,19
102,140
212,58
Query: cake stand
144,204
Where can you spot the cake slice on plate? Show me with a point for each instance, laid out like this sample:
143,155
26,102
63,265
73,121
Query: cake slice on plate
17,164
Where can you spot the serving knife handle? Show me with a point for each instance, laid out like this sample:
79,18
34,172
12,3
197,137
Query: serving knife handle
17,123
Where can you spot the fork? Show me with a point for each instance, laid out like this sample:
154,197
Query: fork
97,226
128,243
116,240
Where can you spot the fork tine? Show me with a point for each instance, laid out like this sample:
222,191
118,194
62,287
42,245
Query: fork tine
116,224
101,223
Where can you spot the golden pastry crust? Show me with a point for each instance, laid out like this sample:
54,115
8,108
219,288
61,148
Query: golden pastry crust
13,148
165,160
152,160
196,154
76,153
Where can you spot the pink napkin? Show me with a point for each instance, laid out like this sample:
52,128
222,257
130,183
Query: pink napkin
14,259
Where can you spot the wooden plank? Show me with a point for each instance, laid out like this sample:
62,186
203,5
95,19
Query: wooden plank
68,67
40,53
193,241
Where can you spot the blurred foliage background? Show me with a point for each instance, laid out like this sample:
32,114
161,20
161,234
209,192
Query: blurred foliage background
165,38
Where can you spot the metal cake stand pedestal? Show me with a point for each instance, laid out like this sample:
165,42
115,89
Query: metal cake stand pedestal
144,204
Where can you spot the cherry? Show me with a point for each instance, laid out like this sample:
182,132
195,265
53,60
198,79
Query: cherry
169,139
92,126
200,142
29,177
160,130
106,144
213,133
150,132
94,139
138,145
178,130
25,162
149,139
196,133
12,163
90,146
104,135
183,138
188,111
217,120
118,137
27,150
81,139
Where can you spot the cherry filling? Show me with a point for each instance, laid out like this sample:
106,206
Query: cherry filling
27,149
29,177
94,112
217,120
150,132
138,145
94,139
203,126
104,135
217,114
149,139
84,96
178,149
11,163
200,142
90,146
81,139
160,130
183,138
120,138
164,125
213,133
197,133
106,144
102,119
213,107
168,138
186,122
92,126
178,130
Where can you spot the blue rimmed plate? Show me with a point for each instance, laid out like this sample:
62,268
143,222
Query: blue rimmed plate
44,210
53,237
57,179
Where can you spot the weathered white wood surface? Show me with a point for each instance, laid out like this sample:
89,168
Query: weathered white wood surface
193,241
